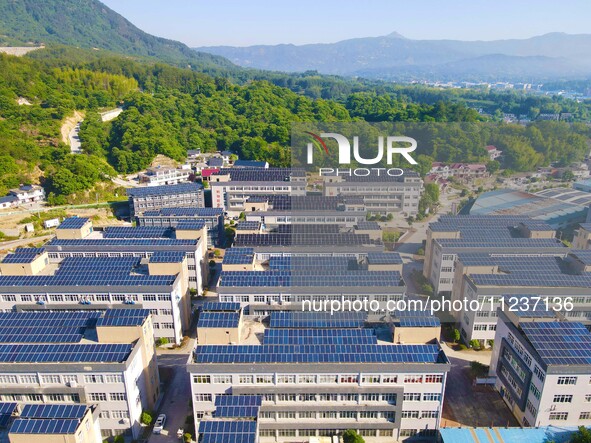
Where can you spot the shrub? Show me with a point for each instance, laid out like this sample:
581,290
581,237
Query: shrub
119,439
491,343
475,344
187,437
462,347
162,341
421,251
147,418
351,436
456,335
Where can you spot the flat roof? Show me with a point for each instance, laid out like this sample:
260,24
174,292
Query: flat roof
73,223
181,188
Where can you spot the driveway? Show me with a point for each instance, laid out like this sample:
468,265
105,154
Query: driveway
177,393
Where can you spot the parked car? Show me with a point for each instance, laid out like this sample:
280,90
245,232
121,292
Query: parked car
159,425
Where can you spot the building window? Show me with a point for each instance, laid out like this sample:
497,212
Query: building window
351,415
411,396
562,398
97,396
413,379
203,397
246,379
539,373
433,378
264,379
567,380
432,396
286,414
410,414
286,379
307,414
113,378
531,408
307,397
370,379
556,416
29,379
429,414
267,432
222,379
348,379
267,414
201,379
47,379
370,397
327,379
119,414
585,416
93,378
286,397
390,379
368,414
117,396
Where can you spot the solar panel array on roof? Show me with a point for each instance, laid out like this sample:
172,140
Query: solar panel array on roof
583,255
137,232
44,426
238,256
238,400
528,279
249,354
236,412
226,431
384,258
123,317
559,343
533,308
64,353
6,411
305,262
67,322
20,258
53,411
483,223
80,279
73,223
29,250
258,174
214,306
167,257
186,212
190,225
309,277
156,242
368,226
298,319
248,225
181,188
308,228
208,319
32,336
319,337
304,239
419,321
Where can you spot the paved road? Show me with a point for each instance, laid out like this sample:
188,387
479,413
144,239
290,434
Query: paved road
74,138
176,401
23,242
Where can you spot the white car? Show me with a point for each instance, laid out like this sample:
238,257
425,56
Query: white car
159,425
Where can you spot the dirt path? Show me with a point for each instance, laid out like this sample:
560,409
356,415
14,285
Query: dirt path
69,125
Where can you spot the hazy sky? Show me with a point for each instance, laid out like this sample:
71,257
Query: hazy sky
244,22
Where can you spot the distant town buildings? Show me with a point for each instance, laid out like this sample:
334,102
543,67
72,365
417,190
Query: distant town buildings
164,176
24,194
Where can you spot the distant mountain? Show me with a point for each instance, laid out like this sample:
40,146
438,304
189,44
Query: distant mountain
554,55
90,24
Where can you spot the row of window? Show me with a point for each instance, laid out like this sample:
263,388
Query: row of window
321,432
347,397
114,414
75,298
56,379
102,396
344,415
300,298
323,378
41,398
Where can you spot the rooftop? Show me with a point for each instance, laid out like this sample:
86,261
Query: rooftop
559,343
185,212
259,174
73,223
181,188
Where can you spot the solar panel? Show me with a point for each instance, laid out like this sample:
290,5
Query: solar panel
559,343
218,320
384,258
192,212
190,225
64,353
368,226
6,411
19,258
220,306
167,257
226,431
258,174
137,232
29,250
53,411
236,412
297,319
73,223
238,256
248,225
44,426
152,191
238,400
319,336
250,354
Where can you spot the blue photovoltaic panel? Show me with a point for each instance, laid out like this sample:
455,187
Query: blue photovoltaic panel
368,226
122,242
190,225
559,343
303,263
29,250
384,258
167,257
53,411
6,411
143,313
238,400
236,411
86,279
427,321
60,322
66,353
187,212
310,277
181,188
123,317
228,431
220,306
319,336
238,256
296,319
218,320
583,255
19,258
257,174
34,337
137,232
248,225
73,223
44,426
250,354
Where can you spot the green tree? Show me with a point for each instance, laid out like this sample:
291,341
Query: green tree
456,335
351,436
582,435
147,418
493,166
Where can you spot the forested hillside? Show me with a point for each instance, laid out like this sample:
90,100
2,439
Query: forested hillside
169,110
